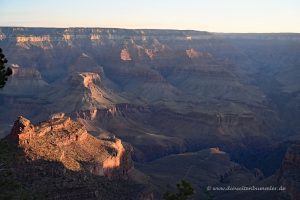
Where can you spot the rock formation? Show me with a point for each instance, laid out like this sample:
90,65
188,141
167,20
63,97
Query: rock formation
289,174
124,55
208,167
59,159
25,81
63,140
163,91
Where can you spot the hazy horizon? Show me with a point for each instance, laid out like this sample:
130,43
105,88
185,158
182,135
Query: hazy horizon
172,29
232,16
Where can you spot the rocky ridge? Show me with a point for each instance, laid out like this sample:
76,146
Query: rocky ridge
59,159
289,174
63,140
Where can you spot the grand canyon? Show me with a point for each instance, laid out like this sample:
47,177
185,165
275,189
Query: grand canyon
107,113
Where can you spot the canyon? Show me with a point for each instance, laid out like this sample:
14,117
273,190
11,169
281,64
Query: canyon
168,95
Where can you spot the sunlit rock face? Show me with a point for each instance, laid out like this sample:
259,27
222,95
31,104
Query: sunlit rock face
124,55
62,140
58,158
33,39
26,42
151,53
67,37
89,79
191,53
95,37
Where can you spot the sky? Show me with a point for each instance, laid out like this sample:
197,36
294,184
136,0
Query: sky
207,15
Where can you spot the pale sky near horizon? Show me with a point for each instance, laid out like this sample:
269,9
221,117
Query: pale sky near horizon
208,15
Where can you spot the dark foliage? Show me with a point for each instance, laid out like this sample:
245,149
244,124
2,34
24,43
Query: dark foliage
4,72
184,191
208,194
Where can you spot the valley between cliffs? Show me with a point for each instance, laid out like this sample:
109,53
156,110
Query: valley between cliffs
218,102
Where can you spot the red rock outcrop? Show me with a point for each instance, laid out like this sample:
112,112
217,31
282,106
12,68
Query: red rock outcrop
32,38
63,140
26,41
125,55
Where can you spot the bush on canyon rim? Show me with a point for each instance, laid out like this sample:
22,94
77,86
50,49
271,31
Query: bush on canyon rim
4,72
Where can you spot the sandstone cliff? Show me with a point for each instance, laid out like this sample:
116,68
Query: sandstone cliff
59,159
63,140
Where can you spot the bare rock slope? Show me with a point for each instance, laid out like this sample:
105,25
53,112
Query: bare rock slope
59,159
62,140
289,174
